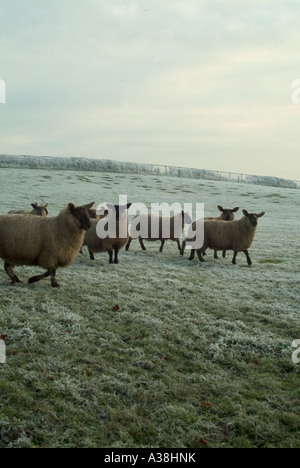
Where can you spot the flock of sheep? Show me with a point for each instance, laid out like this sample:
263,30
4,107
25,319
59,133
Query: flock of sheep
32,238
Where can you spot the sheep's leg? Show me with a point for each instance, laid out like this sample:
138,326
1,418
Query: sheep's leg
216,255
142,243
91,255
35,279
200,256
10,271
248,258
179,246
224,253
128,243
116,261
234,257
162,246
183,248
192,256
110,253
54,283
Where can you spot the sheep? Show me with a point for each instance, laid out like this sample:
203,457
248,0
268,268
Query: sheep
227,214
38,210
49,243
237,235
117,218
93,215
173,224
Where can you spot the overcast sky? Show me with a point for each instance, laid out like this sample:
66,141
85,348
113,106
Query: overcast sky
196,83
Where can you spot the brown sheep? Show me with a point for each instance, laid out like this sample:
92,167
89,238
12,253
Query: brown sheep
118,218
227,214
49,243
37,210
237,235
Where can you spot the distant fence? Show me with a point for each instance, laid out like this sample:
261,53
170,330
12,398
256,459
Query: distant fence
226,176
104,165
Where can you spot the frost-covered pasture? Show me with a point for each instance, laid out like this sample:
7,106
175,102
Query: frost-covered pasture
156,351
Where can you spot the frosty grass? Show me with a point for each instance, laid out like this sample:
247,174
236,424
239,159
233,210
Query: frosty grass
195,355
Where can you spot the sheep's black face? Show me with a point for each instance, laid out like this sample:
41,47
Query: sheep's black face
253,217
227,214
83,218
82,215
253,220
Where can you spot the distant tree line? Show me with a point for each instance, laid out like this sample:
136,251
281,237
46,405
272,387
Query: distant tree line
106,165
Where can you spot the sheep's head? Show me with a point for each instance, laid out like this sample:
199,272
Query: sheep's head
40,210
253,217
92,213
81,214
227,214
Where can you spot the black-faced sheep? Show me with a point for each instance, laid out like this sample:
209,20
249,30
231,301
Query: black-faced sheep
237,235
93,215
110,234
37,210
227,214
46,242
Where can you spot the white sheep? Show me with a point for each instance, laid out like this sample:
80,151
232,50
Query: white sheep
227,214
165,227
110,234
49,243
37,210
237,235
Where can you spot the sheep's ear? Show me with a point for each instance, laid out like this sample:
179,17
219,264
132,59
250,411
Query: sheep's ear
90,205
123,208
261,214
110,206
46,205
245,212
71,206
220,208
33,205
235,209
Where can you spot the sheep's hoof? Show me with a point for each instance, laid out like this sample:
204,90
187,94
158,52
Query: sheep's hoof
13,282
54,284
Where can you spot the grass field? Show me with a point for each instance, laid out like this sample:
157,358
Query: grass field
195,355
